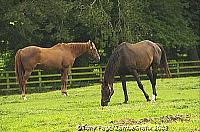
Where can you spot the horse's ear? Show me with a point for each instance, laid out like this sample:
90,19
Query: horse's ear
110,86
111,92
90,42
93,45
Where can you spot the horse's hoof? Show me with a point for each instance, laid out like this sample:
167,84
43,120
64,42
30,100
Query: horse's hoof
65,94
125,102
24,98
153,98
148,100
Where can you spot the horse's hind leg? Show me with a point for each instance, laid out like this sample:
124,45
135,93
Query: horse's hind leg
135,74
152,74
124,88
23,87
154,81
64,76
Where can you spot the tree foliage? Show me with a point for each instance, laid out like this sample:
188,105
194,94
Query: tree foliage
174,24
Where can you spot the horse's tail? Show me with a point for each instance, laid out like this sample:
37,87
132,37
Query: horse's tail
163,62
19,68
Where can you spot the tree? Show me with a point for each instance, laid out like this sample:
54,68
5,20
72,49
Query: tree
170,27
174,24
192,15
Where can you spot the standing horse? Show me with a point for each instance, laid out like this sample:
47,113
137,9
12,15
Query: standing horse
132,59
59,57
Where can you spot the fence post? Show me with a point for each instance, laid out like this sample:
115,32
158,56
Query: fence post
7,80
178,69
40,78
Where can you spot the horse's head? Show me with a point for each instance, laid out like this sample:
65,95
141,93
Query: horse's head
106,93
93,51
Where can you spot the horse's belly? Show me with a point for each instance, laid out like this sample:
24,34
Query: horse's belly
48,65
124,70
50,60
128,70
142,67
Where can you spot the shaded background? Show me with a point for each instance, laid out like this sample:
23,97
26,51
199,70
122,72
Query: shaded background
174,24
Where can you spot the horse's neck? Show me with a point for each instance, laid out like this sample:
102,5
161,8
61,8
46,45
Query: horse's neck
109,78
78,49
110,73
112,68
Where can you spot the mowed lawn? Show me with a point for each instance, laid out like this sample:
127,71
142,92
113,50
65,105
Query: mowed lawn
177,109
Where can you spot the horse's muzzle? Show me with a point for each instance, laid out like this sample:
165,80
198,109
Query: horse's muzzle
104,103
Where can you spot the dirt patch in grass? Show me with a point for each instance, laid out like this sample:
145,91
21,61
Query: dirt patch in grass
158,120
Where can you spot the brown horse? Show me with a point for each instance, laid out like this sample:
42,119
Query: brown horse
131,59
59,57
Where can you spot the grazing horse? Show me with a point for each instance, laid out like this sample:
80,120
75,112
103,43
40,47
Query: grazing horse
59,57
144,56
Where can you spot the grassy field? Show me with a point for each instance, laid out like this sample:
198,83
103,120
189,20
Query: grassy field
176,109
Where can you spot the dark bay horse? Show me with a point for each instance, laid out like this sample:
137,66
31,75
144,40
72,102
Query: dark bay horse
59,57
144,56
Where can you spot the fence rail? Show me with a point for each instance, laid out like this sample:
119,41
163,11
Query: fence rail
79,76
1,64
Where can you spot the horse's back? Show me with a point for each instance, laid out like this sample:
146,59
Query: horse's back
140,55
153,49
144,45
29,52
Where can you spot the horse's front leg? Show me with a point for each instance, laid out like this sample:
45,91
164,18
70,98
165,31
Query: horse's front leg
64,76
135,74
124,88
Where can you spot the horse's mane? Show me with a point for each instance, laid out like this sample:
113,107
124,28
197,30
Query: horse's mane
72,44
76,47
75,43
113,64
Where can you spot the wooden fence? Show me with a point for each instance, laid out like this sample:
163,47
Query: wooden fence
1,64
80,76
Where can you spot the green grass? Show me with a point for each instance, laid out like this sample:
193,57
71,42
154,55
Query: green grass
53,112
